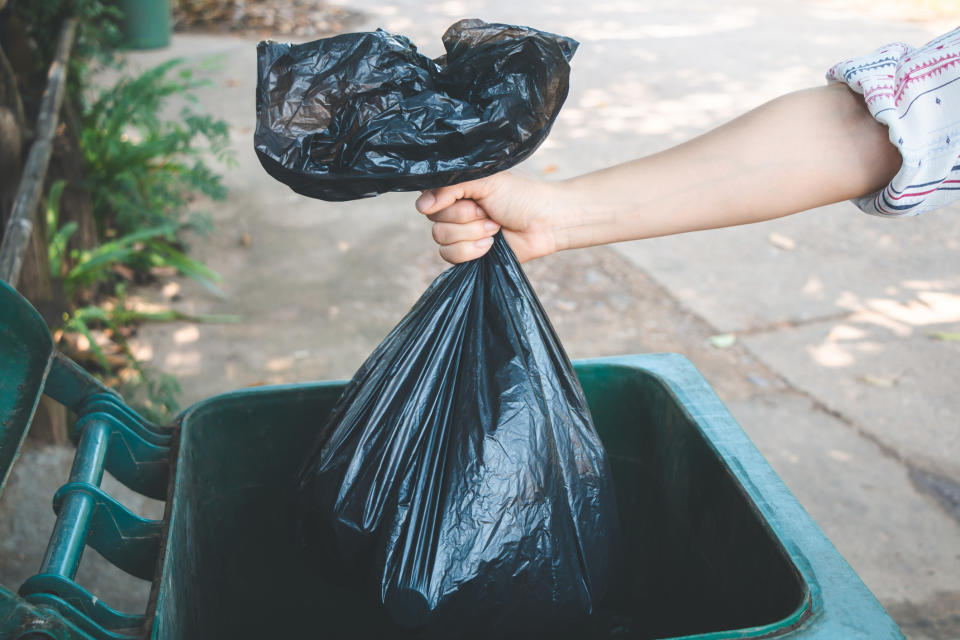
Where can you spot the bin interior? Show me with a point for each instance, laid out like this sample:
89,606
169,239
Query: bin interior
698,557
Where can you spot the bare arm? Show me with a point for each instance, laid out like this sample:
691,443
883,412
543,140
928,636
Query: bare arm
800,151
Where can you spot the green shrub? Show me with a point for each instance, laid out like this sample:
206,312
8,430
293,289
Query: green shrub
142,169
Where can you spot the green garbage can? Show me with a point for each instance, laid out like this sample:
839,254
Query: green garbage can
715,545
145,24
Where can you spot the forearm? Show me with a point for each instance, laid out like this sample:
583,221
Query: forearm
800,151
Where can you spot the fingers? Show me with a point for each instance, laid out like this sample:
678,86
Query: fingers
446,233
461,228
466,250
459,212
433,200
466,241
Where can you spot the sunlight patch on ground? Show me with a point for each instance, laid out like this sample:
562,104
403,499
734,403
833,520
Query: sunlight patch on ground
930,11
930,307
845,332
614,29
831,355
183,363
839,456
880,320
142,351
279,364
186,334
813,286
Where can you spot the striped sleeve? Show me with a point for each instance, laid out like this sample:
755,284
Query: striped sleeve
916,93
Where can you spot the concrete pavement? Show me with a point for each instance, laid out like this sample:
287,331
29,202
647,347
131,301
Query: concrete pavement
834,375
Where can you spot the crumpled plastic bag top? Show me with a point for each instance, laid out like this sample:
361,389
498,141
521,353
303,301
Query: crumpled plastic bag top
364,113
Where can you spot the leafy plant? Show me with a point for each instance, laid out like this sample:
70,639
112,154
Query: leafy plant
143,169
155,394
142,249
59,236
152,394
117,315
97,37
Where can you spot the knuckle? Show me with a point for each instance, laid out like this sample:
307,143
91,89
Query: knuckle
446,254
480,230
454,212
472,231
457,252
437,232
467,211
463,211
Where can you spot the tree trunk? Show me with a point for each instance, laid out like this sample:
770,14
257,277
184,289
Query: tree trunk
35,281
67,164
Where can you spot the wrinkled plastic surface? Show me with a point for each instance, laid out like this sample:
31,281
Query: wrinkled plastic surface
364,113
460,477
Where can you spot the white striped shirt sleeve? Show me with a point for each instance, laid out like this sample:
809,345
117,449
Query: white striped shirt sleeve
916,93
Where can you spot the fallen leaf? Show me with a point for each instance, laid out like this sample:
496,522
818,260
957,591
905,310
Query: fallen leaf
884,382
116,361
123,271
163,271
245,240
945,336
723,340
781,241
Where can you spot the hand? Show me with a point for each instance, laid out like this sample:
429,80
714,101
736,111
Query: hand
466,216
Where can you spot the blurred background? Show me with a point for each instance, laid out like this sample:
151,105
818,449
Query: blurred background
168,263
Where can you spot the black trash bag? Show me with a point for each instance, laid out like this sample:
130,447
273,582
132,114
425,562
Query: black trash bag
459,478
364,113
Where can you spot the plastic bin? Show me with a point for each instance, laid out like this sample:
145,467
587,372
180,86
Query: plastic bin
145,24
716,546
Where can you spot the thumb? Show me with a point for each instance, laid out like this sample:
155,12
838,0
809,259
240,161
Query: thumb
433,200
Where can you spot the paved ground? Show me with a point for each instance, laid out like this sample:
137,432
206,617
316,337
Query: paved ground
834,375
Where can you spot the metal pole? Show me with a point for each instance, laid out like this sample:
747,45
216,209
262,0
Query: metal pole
16,237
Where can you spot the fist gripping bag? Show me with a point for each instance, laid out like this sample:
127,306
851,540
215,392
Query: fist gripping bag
459,477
